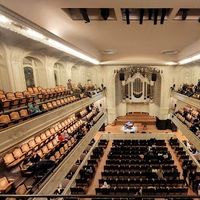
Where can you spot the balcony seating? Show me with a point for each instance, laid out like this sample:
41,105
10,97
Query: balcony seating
17,102
5,185
46,145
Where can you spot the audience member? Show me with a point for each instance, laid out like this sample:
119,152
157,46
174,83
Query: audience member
105,185
33,108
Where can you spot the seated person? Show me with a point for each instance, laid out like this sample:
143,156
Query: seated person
105,185
60,137
31,162
37,165
33,108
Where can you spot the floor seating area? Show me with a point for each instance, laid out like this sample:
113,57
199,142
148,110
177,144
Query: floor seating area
140,167
190,117
87,173
48,146
136,117
184,159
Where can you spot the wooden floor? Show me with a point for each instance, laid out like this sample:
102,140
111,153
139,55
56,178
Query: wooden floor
117,129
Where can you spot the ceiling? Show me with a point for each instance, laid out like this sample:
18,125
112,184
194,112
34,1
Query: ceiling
129,43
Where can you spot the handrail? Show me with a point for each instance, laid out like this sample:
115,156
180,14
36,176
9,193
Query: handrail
187,100
189,134
48,197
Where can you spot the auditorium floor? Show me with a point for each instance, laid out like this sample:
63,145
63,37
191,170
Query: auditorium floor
117,129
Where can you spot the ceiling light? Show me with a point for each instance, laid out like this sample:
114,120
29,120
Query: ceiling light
34,34
171,63
190,59
71,51
4,19
169,52
109,51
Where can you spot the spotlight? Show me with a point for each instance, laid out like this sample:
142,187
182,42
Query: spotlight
150,13
141,15
84,14
163,14
155,16
127,13
105,12
184,14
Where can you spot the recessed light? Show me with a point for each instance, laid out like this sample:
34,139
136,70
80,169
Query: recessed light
169,52
109,51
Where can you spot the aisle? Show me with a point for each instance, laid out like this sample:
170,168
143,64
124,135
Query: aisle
178,164
100,168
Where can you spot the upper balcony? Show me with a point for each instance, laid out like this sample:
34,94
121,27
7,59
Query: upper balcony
185,99
16,134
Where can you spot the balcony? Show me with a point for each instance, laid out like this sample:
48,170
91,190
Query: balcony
188,100
185,131
14,135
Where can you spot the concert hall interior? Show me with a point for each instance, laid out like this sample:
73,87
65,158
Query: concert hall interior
100,99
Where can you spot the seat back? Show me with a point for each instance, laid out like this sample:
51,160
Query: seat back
5,119
38,140
25,148
4,183
43,136
14,116
17,153
8,158
23,113
22,189
32,143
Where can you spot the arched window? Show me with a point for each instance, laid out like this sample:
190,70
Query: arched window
29,76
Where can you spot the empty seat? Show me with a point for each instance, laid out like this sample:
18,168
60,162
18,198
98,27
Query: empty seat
43,137
14,116
45,150
24,113
49,105
50,146
38,140
54,104
4,120
5,185
22,189
25,148
32,144
17,153
11,96
44,107
21,96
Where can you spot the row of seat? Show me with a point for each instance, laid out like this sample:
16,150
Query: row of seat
18,154
22,114
145,191
13,99
133,143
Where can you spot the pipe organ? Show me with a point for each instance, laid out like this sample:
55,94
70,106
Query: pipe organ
138,86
